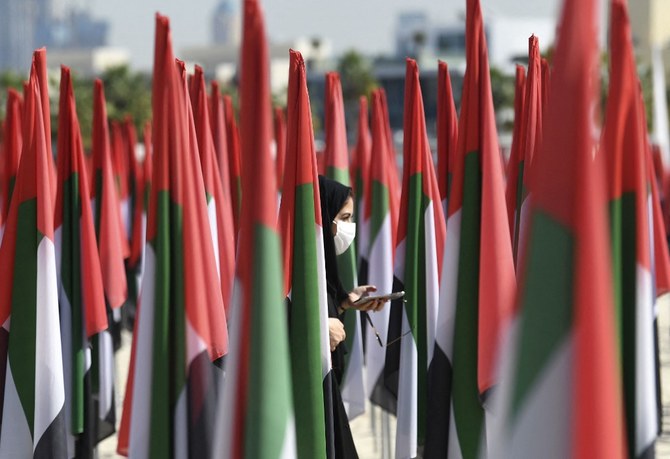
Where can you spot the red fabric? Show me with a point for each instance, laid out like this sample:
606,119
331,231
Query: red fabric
512,185
360,159
214,187
137,180
259,190
33,181
234,160
394,190
40,62
419,160
110,236
447,128
624,140
301,166
71,161
336,152
571,190
120,168
477,133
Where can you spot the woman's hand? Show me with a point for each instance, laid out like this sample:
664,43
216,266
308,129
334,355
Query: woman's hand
361,291
336,333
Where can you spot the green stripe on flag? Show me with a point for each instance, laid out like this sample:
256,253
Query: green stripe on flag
520,197
380,209
169,347
340,175
546,302
415,285
468,412
305,330
72,285
24,312
98,203
615,240
628,314
269,398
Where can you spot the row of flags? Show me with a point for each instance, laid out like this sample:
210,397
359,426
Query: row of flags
528,327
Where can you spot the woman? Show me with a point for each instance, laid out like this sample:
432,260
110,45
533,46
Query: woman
339,230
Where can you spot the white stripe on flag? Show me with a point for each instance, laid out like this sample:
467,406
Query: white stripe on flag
548,402
407,428
140,420
380,274
106,374
214,230
645,379
49,385
225,419
432,280
353,386
180,431
15,438
446,319
126,217
66,341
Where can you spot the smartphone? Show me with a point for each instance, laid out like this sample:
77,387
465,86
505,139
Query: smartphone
385,297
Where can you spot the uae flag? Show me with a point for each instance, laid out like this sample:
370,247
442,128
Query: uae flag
110,237
477,292
181,326
32,393
421,238
530,131
301,231
336,157
80,291
219,208
379,256
624,145
255,418
440,369
564,397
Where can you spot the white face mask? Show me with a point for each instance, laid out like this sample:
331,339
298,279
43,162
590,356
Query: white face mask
346,232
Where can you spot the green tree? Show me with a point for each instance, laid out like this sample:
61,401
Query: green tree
8,80
128,93
356,76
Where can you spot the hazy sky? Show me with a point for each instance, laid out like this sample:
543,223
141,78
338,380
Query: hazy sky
364,24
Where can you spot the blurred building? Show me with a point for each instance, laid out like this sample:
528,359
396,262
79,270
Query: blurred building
88,62
220,62
649,21
72,36
24,26
226,24
507,38
78,29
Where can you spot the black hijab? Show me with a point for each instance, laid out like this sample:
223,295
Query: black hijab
333,196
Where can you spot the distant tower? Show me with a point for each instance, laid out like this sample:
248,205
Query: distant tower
226,24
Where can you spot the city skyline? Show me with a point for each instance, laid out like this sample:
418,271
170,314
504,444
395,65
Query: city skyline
367,26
